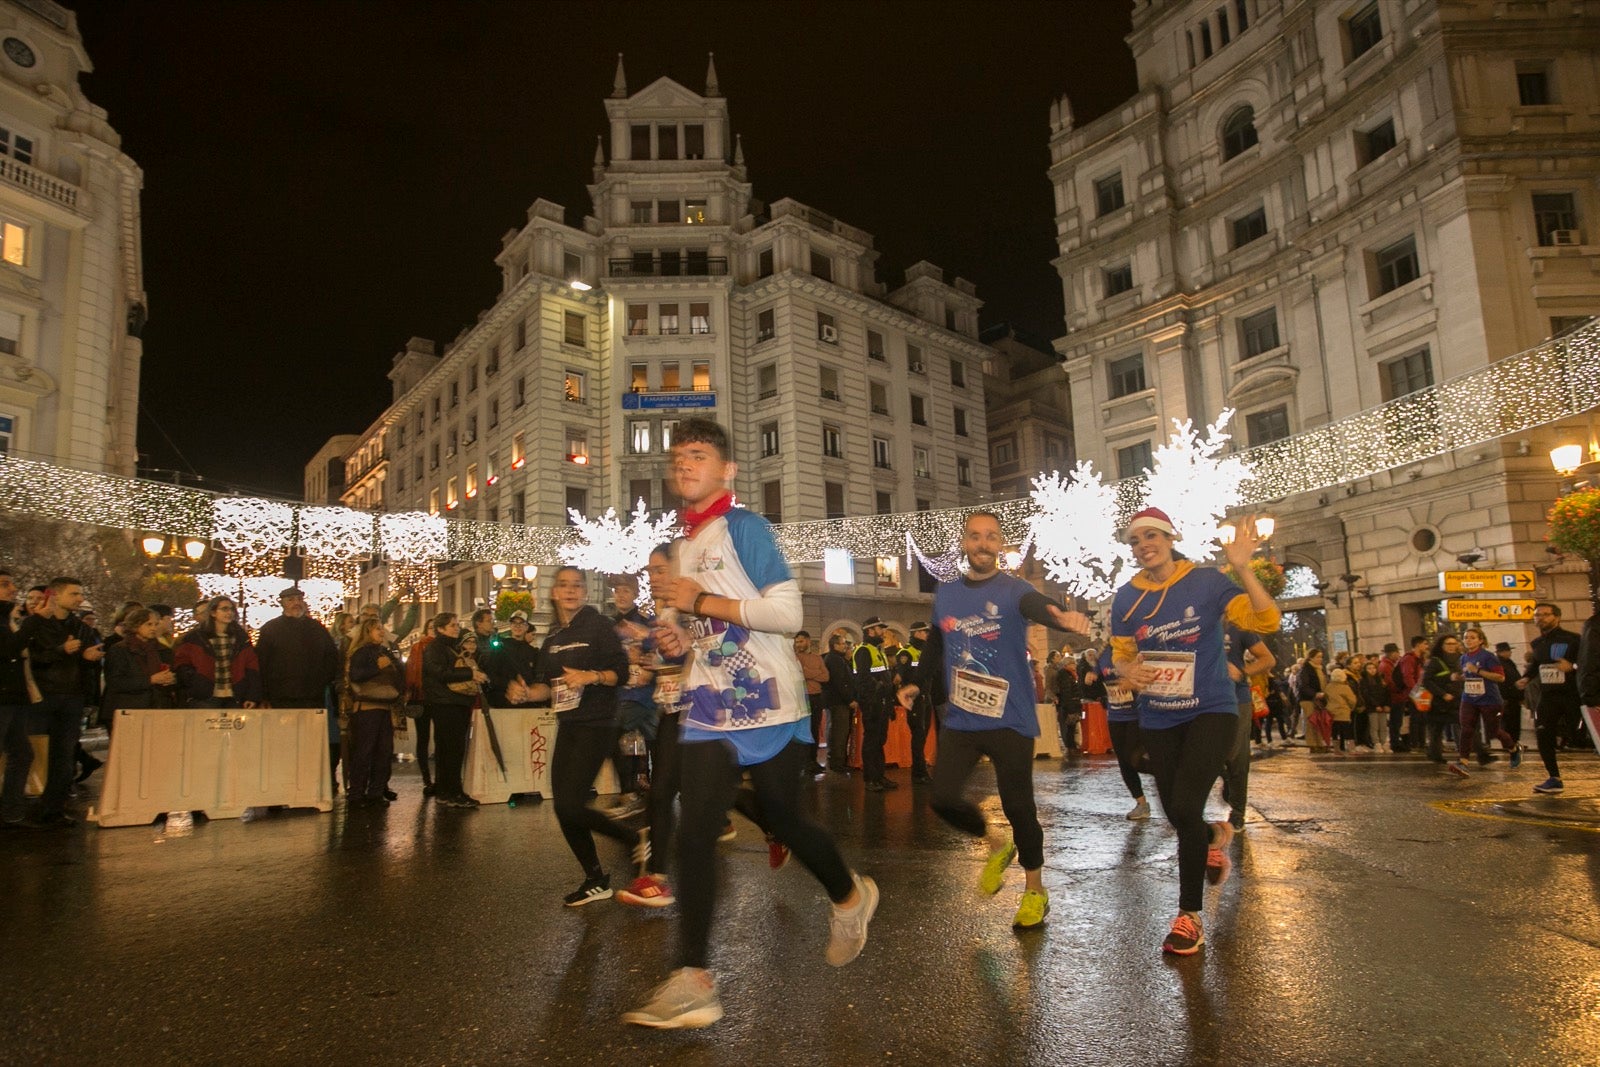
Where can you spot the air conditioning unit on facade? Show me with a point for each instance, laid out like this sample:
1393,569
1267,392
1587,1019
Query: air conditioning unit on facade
1566,237
917,368
829,334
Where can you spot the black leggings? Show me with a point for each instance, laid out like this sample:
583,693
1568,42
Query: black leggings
1186,760
450,723
422,726
581,750
664,784
1126,743
1012,756
710,779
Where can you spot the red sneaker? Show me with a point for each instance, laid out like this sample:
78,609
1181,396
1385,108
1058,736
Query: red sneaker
648,891
1218,865
1186,936
777,853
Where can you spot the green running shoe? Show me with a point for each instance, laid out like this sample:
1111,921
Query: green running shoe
1034,907
994,872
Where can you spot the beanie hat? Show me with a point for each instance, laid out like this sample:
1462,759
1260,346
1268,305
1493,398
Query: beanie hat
1154,518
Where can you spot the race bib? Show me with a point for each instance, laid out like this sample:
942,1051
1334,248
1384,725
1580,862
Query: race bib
1116,694
669,686
1174,674
1550,674
1473,687
711,640
564,697
979,694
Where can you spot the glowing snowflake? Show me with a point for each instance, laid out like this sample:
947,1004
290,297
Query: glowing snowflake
1194,487
607,546
1075,532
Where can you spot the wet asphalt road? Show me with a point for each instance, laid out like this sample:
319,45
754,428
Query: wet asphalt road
1381,913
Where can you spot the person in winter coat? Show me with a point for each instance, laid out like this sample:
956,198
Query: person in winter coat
1069,701
299,659
1341,706
1442,678
448,661
137,675
216,664
377,682
1312,683
1374,693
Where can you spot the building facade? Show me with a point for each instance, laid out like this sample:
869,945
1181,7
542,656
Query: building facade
72,301
682,294
1311,208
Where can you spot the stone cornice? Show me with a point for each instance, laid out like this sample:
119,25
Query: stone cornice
795,283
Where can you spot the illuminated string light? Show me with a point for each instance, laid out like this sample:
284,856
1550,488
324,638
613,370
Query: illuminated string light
336,533
253,526
414,581
413,536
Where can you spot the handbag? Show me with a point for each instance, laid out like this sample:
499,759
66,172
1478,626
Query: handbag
376,690
468,687
1421,699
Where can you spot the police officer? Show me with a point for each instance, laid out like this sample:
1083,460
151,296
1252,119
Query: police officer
915,665
874,691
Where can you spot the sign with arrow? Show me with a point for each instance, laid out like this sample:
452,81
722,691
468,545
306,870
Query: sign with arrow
1487,610
1486,581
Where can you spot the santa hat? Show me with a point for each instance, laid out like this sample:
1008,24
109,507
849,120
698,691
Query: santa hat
1155,519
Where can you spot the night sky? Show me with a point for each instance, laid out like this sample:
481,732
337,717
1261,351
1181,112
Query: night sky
324,180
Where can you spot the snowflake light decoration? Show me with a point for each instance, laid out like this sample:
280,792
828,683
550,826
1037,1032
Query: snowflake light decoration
1075,532
336,533
258,527
1194,487
413,536
607,546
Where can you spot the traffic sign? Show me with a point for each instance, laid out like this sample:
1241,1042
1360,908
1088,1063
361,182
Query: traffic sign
1486,581
1487,610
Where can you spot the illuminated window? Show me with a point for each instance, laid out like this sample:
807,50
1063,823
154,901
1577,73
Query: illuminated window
887,570
639,377
472,481
452,500
921,465
577,446
14,243
491,469
880,453
694,212
699,318
832,442
769,440
573,387
670,382
668,319
702,376
433,501
639,436
667,429
638,320
519,452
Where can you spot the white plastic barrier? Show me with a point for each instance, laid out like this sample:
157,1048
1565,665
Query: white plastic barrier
1049,740
216,760
527,741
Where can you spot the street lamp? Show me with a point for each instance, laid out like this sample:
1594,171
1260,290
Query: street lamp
163,548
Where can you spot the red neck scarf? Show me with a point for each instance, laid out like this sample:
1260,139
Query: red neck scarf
693,520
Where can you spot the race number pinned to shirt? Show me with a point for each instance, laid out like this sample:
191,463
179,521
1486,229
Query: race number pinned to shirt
1473,687
1550,674
979,694
1116,694
1174,674
669,686
564,697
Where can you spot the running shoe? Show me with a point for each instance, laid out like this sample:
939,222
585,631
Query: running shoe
633,805
1185,937
728,832
994,872
777,853
1457,768
1549,785
648,891
685,1001
1516,756
641,850
591,890
1218,865
1034,907
847,927
1140,812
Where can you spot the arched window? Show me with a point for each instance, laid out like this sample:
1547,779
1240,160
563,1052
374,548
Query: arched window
1239,131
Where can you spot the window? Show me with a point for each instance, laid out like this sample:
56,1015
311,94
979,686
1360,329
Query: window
885,502
472,378
1118,279
639,141
668,427
16,146
666,142
1250,227
1244,16
666,211
961,422
1533,85
694,212
638,490
519,508
492,364
452,497
950,318
1407,374
455,442
1364,30
416,471
958,374
639,436
1555,218
830,383
1133,460
766,381
832,442
700,318
669,377
433,456
914,362
522,336
833,499
577,501
667,319
455,393
433,501
1396,265
880,453
10,332
472,481
1264,427
436,409
1126,375
764,263
1004,451
1239,131
1205,40
519,392
638,320
643,263
921,464
491,469
571,266
701,370
639,377
766,328
1188,39
769,439
694,139
400,429
519,452
573,386
827,329
577,329
963,470
1108,194
875,346
1560,325
878,396
419,422
577,445
472,429
1258,333
919,410
1370,144
821,266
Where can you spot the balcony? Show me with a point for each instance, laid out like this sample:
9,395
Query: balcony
38,182
669,267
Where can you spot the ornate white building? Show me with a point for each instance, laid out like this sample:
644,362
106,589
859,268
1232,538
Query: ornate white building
681,294
1311,208
72,301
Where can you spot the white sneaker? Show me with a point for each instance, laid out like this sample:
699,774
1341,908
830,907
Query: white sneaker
1141,810
847,927
685,1001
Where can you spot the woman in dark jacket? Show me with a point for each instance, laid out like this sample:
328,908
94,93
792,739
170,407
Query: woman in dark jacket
451,712
376,682
219,639
1312,681
582,663
136,674
1441,677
